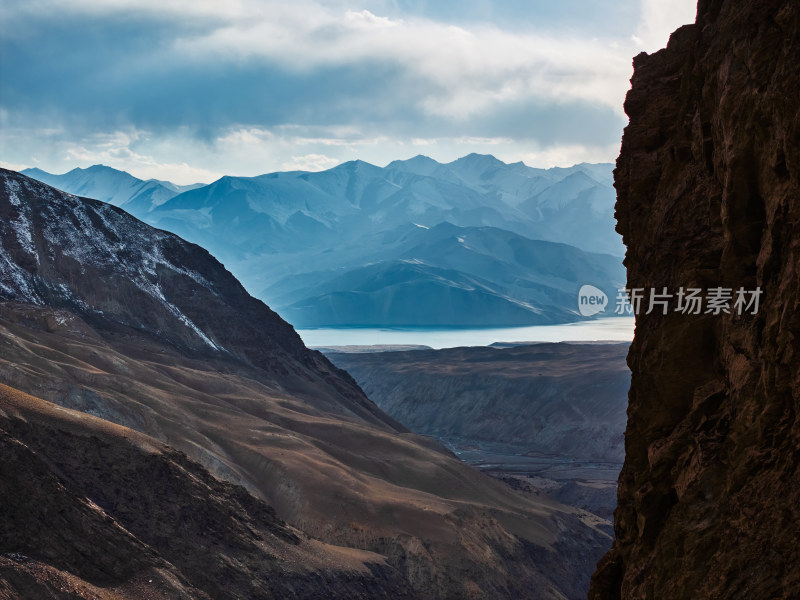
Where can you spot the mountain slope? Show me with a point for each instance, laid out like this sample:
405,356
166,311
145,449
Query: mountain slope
409,293
356,197
106,512
105,315
119,274
548,418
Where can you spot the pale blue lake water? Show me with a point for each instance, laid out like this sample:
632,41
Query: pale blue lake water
613,329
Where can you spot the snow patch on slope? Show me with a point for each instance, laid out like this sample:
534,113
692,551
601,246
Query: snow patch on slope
93,234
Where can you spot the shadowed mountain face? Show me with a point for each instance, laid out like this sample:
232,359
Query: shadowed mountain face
557,399
709,186
546,418
132,325
456,239
449,276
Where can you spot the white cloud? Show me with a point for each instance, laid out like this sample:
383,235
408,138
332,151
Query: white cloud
118,154
13,166
254,151
468,77
129,150
258,150
249,136
310,162
560,156
180,173
457,71
659,19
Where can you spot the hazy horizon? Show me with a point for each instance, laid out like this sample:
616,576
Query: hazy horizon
339,164
186,91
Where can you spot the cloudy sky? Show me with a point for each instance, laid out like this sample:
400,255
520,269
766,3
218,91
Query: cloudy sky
188,90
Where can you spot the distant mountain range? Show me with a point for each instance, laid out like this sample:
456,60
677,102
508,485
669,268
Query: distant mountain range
416,243
115,187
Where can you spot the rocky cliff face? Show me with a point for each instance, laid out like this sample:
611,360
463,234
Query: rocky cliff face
708,184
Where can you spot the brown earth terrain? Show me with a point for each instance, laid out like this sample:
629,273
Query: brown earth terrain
96,510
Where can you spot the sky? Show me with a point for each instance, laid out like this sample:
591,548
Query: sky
189,90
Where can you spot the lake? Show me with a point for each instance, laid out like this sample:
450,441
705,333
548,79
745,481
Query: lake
613,329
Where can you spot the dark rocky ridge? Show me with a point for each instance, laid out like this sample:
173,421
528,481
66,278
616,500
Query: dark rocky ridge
708,184
121,275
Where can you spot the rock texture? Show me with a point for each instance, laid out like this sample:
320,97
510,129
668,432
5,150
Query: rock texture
708,184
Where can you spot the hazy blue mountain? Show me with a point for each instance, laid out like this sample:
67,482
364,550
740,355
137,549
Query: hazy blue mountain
350,200
472,242
449,276
115,187
406,293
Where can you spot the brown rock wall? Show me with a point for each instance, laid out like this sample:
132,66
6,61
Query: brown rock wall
708,184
